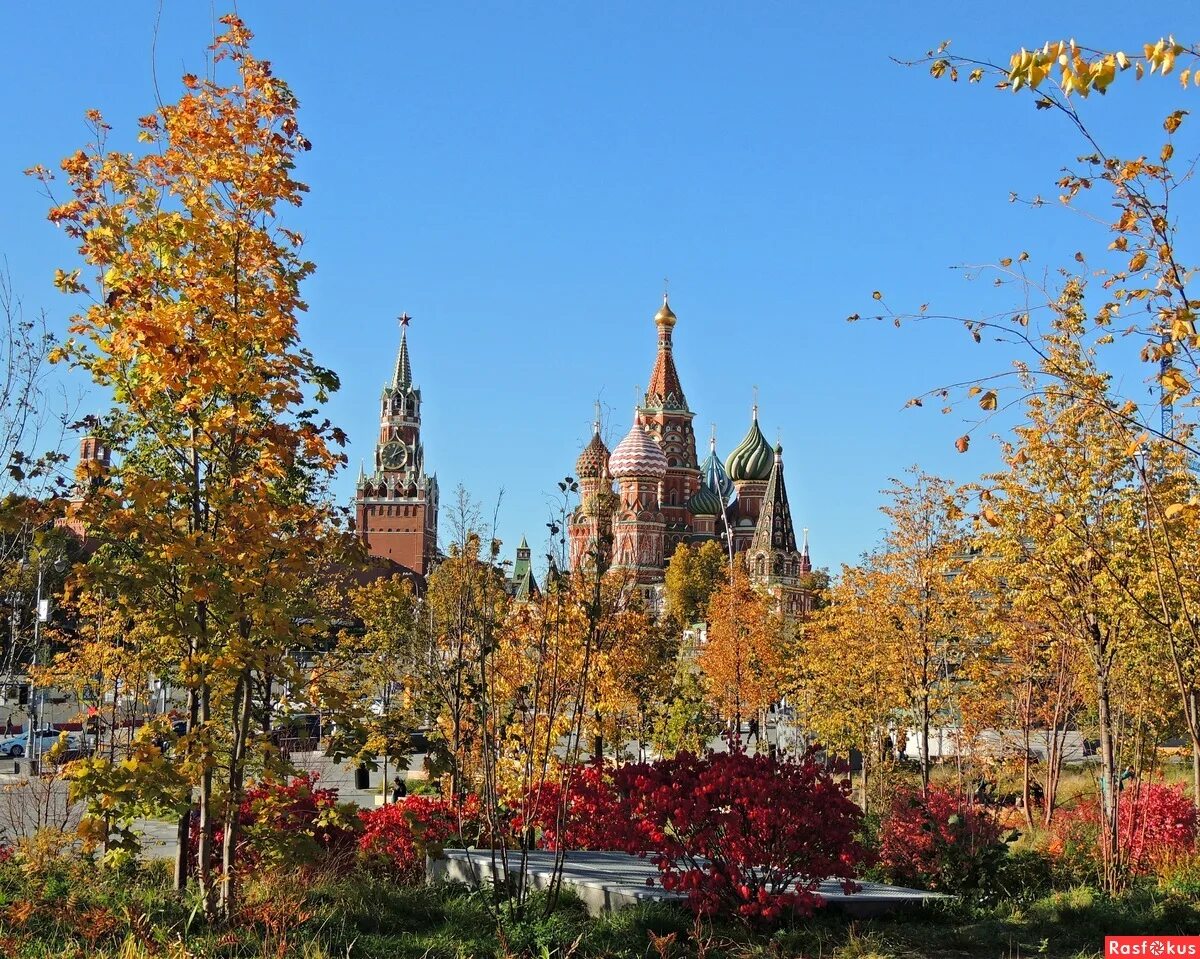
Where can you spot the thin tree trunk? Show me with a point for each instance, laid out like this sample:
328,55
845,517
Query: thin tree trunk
1110,839
183,830
243,699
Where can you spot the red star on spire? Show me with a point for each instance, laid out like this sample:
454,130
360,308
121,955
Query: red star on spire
405,319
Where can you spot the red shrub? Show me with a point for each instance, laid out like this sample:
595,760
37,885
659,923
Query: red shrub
749,835
1155,824
293,821
941,842
400,834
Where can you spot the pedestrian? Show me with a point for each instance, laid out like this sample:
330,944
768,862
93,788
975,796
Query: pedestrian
752,730
8,725
399,790
1127,776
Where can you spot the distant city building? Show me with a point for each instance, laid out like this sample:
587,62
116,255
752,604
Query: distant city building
664,496
396,504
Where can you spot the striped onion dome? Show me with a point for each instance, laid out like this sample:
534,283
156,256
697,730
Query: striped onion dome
638,454
753,457
704,502
593,461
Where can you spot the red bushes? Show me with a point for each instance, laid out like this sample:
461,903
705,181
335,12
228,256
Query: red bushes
748,835
399,835
293,822
941,842
1155,824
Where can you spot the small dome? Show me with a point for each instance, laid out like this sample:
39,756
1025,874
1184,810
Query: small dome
638,455
665,316
753,457
713,475
704,502
593,461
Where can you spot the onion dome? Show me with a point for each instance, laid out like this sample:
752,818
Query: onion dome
704,502
713,475
593,461
638,455
665,316
753,457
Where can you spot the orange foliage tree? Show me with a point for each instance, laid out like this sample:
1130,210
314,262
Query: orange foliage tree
211,515
742,657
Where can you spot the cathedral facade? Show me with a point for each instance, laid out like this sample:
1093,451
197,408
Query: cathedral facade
396,504
650,494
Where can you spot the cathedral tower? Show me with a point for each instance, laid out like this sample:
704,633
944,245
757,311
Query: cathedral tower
396,505
665,413
774,562
639,466
591,523
749,468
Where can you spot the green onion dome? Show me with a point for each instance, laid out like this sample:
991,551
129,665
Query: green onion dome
638,455
704,502
753,457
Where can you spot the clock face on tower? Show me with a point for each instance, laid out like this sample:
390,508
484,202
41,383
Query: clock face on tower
393,455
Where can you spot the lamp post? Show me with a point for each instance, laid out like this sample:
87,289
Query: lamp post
42,615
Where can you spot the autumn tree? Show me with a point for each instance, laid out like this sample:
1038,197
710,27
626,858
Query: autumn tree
370,683
920,565
213,509
1064,525
692,575
850,679
741,658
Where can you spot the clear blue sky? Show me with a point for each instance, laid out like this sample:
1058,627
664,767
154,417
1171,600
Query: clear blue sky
520,177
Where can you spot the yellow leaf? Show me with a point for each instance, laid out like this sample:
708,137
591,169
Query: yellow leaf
1007,261
876,295
1174,509
990,517
988,400
1138,260
1171,123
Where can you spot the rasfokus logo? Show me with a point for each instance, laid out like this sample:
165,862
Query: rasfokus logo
1152,946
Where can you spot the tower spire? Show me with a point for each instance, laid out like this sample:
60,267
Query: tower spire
403,378
596,421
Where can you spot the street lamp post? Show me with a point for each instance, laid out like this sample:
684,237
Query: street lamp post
42,610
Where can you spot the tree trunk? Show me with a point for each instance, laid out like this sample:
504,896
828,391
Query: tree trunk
183,830
242,701
1110,838
925,762
204,841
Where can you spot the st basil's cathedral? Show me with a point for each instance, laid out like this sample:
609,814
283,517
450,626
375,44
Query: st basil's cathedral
664,496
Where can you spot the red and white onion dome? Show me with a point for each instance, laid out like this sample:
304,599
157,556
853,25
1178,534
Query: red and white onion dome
638,454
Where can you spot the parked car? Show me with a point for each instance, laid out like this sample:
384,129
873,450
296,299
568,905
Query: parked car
17,745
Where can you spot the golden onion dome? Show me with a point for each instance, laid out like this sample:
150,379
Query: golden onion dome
665,316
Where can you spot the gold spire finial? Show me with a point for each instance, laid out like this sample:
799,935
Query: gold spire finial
712,439
665,316
754,410
596,421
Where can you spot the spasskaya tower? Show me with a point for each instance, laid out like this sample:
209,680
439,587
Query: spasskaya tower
396,505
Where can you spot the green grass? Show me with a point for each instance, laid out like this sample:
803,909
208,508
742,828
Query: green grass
69,910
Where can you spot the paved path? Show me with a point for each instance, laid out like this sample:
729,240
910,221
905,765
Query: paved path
607,881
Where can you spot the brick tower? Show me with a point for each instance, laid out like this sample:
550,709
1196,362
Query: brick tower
396,505
664,411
